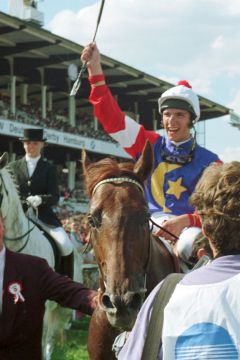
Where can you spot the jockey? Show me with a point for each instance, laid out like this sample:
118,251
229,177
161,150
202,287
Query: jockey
38,186
178,160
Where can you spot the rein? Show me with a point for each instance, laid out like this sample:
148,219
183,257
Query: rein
21,236
162,228
27,233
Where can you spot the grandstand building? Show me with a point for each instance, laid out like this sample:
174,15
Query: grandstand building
235,119
37,71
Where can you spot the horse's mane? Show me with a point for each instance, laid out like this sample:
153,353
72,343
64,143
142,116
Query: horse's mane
107,168
11,204
13,178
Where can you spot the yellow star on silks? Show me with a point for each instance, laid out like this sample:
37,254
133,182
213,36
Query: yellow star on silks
176,188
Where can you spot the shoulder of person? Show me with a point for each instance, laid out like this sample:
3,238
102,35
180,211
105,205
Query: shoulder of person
31,260
207,153
159,141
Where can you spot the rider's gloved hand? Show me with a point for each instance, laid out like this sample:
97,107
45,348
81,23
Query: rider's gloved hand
34,200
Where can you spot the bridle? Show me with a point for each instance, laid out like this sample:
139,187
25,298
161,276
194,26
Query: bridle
121,180
118,180
27,233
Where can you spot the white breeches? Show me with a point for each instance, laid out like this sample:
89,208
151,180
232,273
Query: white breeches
186,238
60,236
62,240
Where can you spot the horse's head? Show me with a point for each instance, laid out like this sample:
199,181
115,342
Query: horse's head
120,236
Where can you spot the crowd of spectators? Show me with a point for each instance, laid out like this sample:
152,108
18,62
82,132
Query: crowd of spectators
67,195
30,114
76,225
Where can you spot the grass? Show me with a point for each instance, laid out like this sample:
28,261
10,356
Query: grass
75,344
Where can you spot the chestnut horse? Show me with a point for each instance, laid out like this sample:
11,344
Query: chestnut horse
131,262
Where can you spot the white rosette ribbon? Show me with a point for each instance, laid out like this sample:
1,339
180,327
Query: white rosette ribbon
15,289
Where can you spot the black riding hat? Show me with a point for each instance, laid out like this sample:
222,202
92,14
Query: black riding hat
33,135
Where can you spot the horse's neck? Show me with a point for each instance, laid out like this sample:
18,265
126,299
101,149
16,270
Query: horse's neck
161,263
15,220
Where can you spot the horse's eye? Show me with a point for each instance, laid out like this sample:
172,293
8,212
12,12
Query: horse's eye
94,220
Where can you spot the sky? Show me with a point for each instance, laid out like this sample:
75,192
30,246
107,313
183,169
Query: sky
197,40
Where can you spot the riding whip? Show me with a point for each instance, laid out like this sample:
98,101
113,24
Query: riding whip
77,83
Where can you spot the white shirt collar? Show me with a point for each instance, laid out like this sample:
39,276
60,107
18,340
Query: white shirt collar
181,142
32,160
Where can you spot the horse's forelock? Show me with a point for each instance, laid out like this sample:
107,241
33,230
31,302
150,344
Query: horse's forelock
103,169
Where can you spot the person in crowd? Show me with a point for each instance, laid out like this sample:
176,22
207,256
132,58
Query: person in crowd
75,234
202,320
26,283
38,186
178,160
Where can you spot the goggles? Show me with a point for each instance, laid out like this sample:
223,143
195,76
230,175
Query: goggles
181,159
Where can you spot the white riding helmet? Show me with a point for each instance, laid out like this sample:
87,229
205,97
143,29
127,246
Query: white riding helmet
181,97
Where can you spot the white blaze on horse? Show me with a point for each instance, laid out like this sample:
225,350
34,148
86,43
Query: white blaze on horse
24,236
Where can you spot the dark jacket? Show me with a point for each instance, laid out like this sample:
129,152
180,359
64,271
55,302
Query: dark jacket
21,323
43,182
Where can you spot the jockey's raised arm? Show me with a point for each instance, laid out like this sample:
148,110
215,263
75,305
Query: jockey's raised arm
127,132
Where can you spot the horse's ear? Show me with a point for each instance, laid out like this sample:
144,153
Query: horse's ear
85,161
143,166
3,160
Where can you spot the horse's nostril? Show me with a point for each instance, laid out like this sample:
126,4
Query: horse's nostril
136,301
107,302
130,300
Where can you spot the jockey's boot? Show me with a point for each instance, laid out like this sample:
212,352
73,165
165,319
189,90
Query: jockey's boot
67,265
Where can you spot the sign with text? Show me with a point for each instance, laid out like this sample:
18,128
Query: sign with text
14,128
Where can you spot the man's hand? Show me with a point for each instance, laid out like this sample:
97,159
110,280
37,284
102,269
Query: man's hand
91,57
175,226
34,200
95,301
